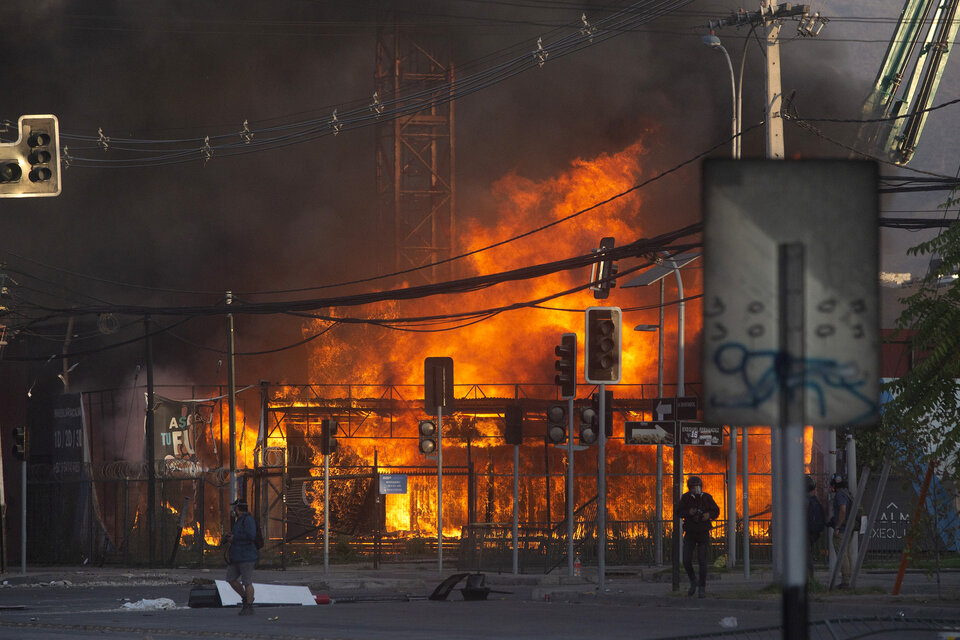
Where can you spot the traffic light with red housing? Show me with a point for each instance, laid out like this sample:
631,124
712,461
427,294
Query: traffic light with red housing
328,436
566,366
30,167
603,345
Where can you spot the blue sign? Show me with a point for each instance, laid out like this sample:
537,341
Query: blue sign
393,483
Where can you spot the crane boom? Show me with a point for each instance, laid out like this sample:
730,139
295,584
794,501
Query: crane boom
925,67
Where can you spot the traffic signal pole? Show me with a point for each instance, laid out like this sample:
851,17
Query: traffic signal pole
516,508
570,490
23,516
602,489
326,513
440,488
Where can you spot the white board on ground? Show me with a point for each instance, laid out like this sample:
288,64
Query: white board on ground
267,594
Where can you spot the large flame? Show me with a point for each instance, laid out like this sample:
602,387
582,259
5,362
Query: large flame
513,347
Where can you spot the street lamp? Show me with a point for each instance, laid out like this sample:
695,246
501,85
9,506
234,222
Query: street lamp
658,528
668,265
736,88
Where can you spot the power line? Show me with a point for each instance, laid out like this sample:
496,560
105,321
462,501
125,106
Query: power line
158,152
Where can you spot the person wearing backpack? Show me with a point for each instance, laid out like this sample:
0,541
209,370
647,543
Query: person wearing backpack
842,502
816,522
242,554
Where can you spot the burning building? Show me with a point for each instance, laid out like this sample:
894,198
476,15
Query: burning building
278,430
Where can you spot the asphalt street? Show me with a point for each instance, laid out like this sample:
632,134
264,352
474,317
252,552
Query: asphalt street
391,603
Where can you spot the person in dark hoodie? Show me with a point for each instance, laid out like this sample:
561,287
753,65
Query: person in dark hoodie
697,510
242,554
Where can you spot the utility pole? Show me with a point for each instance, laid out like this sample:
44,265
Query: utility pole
232,402
770,23
786,439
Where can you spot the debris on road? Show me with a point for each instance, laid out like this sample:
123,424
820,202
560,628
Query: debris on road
151,605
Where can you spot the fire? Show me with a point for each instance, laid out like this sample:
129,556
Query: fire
247,432
494,350
512,347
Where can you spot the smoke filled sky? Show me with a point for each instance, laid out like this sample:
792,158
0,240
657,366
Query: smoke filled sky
304,214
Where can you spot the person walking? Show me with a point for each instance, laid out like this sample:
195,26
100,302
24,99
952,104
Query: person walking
816,523
697,510
842,502
242,554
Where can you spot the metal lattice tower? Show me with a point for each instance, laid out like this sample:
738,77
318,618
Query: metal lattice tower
415,155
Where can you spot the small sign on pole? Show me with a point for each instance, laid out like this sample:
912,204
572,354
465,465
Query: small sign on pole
393,483
697,434
657,432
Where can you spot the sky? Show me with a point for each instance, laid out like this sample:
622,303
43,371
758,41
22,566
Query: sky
302,215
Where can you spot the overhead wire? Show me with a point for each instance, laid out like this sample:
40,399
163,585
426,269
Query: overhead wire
362,115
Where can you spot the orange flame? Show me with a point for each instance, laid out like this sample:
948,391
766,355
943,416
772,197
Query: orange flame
516,346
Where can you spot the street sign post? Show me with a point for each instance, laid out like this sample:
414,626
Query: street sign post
687,407
681,408
393,483
656,432
665,408
697,434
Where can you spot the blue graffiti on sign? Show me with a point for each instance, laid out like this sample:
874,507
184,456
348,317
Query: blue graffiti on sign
762,372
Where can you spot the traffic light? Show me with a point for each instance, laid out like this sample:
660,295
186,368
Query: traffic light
603,270
438,385
566,366
20,443
589,425
328,436
557,423
428,437
513,424
602,350
30,167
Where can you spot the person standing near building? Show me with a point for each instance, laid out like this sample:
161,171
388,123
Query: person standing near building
242,554
816,523
842,502
697,510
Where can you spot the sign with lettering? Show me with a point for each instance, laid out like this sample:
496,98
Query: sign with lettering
697,434
67,434
393,483
176,426
687,407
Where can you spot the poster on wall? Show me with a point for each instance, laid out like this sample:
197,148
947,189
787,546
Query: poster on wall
55,427
177,427
67,435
